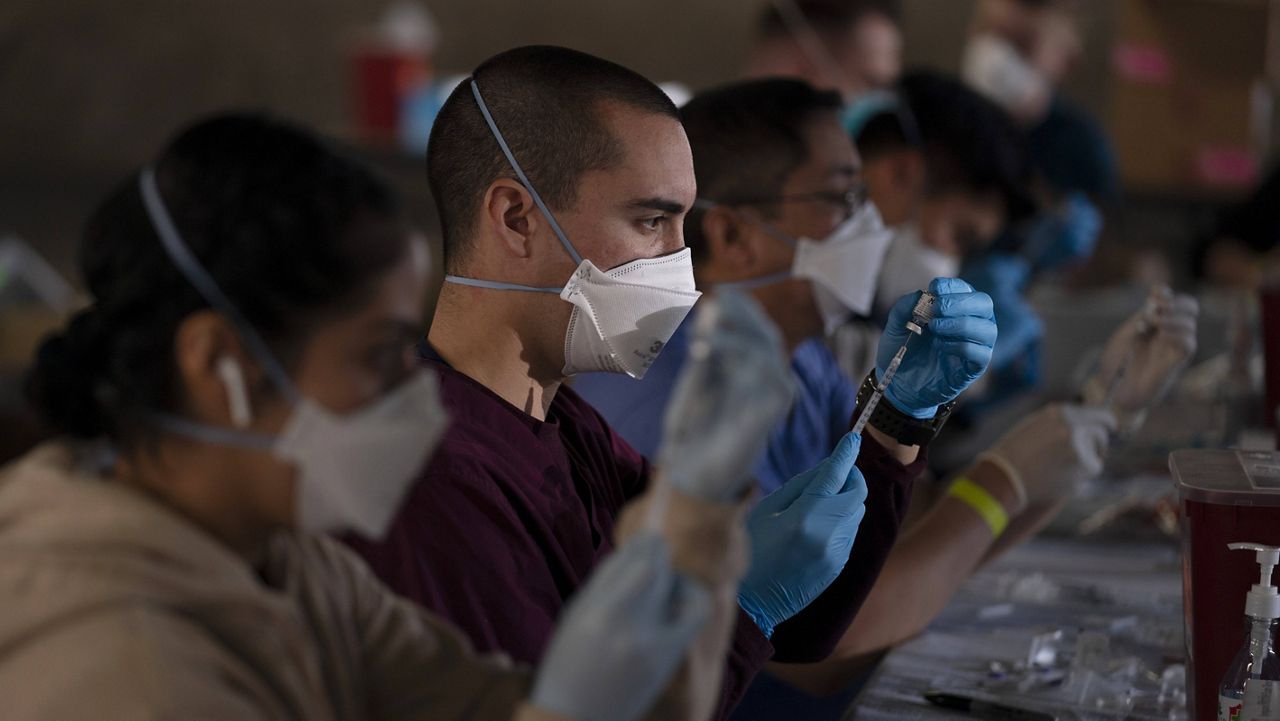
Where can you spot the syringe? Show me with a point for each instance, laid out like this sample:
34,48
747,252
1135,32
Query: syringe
1146,327
921,314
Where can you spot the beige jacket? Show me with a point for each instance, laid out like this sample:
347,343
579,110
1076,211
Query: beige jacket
114,607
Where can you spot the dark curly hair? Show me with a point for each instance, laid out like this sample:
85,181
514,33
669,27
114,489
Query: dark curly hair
289,229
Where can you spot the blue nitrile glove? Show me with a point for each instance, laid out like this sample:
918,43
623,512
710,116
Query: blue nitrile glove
801,536
1065,236
1003,277
948,357
622,636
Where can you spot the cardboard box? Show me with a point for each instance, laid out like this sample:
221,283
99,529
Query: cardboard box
1193,85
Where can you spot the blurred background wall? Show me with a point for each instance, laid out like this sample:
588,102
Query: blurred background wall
91,88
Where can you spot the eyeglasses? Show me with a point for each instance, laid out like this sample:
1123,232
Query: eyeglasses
849,201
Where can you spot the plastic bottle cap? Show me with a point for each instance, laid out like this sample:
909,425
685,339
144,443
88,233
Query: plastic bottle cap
1263,600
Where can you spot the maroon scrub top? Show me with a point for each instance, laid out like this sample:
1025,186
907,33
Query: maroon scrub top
511,514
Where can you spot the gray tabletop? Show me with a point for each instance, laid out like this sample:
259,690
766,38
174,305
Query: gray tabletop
1129,590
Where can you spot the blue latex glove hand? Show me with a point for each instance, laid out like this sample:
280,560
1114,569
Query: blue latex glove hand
997,273
622,637
801,536
948,357
1067,236
1003,276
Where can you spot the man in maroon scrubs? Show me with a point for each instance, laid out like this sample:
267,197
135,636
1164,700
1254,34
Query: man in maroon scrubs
562,182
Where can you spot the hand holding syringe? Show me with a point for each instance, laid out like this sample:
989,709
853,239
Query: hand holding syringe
949,331
921,314
1144,356
1144,328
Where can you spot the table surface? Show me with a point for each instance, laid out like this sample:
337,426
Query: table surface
1129,589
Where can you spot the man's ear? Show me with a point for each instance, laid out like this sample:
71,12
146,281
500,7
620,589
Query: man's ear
511,215
205,348
731,252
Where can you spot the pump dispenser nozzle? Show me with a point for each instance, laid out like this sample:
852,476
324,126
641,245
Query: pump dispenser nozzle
1263,600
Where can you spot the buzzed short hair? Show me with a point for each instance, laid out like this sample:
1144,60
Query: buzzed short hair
546,101
747,139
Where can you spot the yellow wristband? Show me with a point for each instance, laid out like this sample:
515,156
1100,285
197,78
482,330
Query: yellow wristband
981,501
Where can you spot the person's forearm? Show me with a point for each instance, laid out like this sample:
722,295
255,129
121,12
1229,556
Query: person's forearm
708,540
527,712
708,543
1027,524
906,455
918,579
946,546
694,693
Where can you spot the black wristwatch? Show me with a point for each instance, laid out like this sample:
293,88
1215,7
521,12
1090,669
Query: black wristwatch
901,427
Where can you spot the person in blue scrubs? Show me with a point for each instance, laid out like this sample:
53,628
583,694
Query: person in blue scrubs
775,168
950,170
775,171
825,400
794,138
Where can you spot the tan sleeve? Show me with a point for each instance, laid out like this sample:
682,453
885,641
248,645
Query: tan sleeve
419,667
709,543
144,666
529,713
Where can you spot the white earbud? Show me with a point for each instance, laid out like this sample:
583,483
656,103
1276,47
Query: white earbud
237,394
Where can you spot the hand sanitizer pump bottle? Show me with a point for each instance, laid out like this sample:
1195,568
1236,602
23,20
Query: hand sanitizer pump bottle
1250,690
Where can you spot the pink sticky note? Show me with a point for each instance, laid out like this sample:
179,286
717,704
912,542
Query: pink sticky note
1146,64
1228,166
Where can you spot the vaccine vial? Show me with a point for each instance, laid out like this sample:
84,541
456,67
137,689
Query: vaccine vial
922,313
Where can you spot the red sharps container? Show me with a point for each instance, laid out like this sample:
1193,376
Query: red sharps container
1226,497
1270,302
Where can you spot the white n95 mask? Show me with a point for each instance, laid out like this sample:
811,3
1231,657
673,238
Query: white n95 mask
842,268
352,470
995,68
910,265
622,317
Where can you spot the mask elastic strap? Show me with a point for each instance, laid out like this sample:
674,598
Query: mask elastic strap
524,179
704,204
498,285
186,263
213,434
764,280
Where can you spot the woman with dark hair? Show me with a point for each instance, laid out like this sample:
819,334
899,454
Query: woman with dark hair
242,385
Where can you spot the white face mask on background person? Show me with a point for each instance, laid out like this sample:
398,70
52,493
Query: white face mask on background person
622,317
352,470
842,268
995,68
910,265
